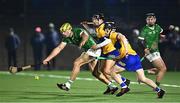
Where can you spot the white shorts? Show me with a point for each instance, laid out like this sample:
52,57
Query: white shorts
94,53
153,56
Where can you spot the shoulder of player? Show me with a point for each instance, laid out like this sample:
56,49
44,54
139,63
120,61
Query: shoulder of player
115,35
100,31
77,29
157,25
144,28
100,28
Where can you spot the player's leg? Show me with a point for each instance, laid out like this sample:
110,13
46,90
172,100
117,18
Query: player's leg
132,63
107,68
129,63
109,63
84,58
142,78
152,71
149,82
111,79
117,77
96,71
160,65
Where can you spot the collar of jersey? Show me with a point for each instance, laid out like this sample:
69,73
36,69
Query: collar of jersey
152,28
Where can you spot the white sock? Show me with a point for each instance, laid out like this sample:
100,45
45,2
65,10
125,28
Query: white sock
111,85
68,83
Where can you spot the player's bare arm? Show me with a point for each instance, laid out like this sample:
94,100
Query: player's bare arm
104,43
162,35
84,39
124,41
55,52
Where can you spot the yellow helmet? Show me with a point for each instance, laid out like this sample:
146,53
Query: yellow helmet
65,27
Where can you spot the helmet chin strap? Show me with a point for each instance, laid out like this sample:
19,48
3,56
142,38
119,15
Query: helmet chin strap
109,32
100,23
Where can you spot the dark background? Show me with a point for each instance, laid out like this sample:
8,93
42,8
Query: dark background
24,15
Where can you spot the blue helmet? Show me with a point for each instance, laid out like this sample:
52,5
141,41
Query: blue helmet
109,25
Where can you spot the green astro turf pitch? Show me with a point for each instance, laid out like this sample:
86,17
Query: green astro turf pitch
22,87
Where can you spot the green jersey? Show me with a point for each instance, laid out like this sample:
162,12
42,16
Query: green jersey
151,36
76,39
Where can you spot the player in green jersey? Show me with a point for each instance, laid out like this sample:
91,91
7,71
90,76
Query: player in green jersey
81,38
151,34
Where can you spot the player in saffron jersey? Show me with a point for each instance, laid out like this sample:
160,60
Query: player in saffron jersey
128,60
108,49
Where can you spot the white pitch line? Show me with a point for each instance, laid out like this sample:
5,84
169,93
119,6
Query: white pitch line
67,77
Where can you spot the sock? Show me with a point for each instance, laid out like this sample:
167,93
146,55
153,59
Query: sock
123,85
111,85
112,81
158,83
157,89
68,83
123,79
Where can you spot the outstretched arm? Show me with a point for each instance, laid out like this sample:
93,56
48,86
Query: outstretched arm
55,52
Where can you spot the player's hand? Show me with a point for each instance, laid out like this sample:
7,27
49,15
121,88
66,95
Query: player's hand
45,62
127,55
84,23
81,44
147,51
163,36
94,47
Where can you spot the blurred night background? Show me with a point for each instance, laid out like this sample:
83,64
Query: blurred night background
129,15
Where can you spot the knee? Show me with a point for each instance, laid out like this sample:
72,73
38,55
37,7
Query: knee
113,72
76,63
142,79
107,72
163,68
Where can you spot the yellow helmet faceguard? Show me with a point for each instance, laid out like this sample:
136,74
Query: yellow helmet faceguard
65,27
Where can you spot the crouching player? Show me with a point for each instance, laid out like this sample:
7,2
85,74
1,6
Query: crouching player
81,38
128,60
108,49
